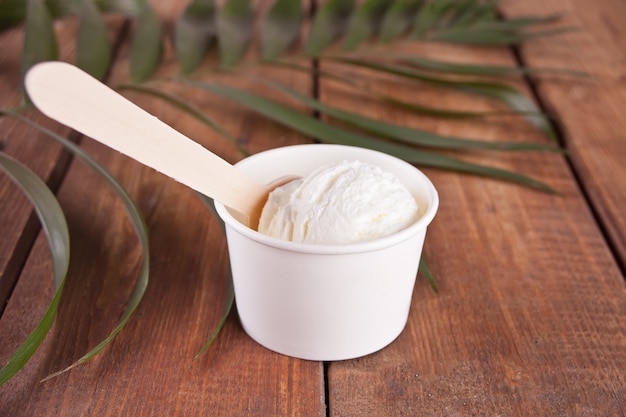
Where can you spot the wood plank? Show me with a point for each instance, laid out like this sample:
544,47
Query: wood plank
531,314
40,153
590,112
146,370
19,226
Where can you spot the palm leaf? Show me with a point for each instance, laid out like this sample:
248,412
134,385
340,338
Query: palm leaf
93,48
413,107
468,11
55,227
12,12
280,28
194,32
60,8
39,38
405,134
328,24
423,269
476,22
492,36
228,306
234,27
230,290
497,91
483,69
137,222
331,134
430,14
128,7
365,23
398,19
146,48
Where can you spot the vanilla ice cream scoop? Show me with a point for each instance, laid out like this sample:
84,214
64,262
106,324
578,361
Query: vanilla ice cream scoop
338,204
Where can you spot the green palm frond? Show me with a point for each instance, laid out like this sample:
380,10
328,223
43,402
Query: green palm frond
147,46
280,28
194,32
46,204
93,49
203,27
55,227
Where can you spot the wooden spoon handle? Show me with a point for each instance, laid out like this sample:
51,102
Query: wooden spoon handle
72,97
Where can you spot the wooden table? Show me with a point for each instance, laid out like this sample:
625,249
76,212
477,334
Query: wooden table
530,319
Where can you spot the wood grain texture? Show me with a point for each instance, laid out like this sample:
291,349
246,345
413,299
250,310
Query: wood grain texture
40,153
590,113
530,318
18,224
147,370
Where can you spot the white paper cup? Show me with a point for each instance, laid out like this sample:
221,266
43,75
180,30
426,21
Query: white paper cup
326,302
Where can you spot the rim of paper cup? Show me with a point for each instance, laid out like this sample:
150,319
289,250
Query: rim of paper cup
340,248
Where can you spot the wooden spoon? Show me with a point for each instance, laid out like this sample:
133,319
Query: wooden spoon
74,98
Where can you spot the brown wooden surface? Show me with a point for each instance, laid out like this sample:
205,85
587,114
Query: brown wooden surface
530,318
591,114
530,315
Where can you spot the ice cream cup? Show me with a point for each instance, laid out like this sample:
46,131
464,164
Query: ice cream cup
326,302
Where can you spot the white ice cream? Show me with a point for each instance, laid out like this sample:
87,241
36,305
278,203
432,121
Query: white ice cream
338,204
